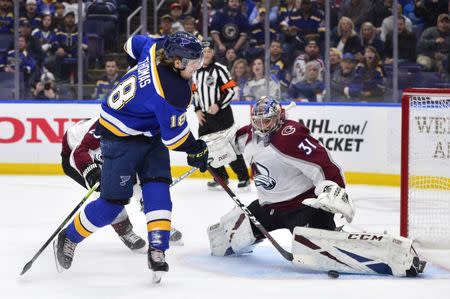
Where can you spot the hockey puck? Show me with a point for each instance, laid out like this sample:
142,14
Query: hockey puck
333,274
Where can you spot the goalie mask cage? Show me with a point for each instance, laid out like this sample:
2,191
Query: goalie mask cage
425,167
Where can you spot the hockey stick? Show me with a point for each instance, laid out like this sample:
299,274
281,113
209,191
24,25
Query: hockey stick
287,255
183,176
60,227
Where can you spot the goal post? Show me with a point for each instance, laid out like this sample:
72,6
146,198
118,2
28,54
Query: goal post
425,167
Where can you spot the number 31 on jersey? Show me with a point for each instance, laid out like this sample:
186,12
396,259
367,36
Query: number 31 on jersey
307,146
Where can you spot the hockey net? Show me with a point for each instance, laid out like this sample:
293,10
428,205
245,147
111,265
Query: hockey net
425,167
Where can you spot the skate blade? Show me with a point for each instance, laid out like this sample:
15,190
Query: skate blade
142,250
157,275
244,189
59,269
176,243
218,188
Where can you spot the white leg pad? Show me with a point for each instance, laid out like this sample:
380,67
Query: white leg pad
233,234
362,253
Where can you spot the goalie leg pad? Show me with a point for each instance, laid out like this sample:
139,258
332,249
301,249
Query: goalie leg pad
232,235
360,253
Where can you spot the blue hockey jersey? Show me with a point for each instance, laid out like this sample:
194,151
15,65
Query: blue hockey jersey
150,99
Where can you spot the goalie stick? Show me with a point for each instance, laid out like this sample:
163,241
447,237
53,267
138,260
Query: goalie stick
60,227
286,254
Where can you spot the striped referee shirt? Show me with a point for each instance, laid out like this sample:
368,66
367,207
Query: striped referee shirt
212,85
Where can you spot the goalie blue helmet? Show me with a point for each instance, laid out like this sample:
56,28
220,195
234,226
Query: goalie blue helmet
267,116
183,45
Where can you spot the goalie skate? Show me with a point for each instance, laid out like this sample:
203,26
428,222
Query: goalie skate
157,263
63,250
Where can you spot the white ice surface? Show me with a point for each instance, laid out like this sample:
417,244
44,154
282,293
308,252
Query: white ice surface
34,206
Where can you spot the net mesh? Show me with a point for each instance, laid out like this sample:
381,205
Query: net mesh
429,170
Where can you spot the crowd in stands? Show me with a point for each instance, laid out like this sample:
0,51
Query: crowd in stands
360,57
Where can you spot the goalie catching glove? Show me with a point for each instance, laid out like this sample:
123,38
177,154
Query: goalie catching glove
92,174
198,156
333,199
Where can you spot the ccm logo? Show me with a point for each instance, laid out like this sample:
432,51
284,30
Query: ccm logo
365,237
19,129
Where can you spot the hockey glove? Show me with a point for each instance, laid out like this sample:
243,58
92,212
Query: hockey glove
198,155
333,199
92,174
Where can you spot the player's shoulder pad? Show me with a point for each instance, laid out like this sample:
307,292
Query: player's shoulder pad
176,89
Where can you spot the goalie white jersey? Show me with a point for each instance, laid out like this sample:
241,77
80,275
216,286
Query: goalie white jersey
287,170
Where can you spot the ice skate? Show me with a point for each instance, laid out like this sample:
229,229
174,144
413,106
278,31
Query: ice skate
125,231
133,241
215,186
175,237
244,185
64,249
157,263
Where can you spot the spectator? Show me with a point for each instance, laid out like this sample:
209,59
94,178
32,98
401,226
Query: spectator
278,65
302,25
58,17
189,26
27,64
188,8
335,59
31,14
388,24
334,18
429,10
72,6
46,36
357,10
255,88
286,9
240,75
311,88
257,36
345,37
369,77
104,86
229,29
299,66
6,17
46,7
369,37
46,89
33,45
230,58
434,44
343,79
406,42
165,27
380,10
67,49
175,13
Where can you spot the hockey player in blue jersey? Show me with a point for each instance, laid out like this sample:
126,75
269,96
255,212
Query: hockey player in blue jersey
143,117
